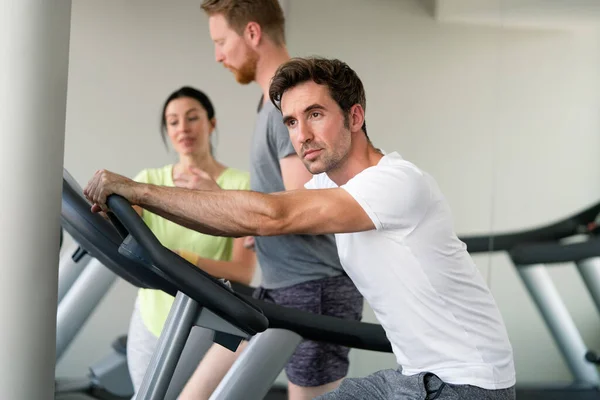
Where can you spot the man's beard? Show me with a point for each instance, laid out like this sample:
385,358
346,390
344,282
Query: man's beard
246,73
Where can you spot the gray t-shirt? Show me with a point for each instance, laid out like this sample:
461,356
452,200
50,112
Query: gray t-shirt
287,259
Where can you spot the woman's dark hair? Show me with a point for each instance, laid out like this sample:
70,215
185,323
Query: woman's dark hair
186,91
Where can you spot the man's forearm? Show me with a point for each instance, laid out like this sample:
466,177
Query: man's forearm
217,213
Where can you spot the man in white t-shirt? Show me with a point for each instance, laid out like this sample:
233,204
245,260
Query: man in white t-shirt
394,233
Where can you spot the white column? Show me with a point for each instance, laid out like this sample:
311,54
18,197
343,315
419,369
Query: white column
34,53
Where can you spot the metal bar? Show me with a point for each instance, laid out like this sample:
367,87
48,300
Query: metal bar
590,273
80,302
169,348
255,370
559,321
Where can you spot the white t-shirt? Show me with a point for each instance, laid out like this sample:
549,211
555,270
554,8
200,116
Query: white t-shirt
419,279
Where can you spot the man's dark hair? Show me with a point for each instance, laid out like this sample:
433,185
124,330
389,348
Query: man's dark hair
345,87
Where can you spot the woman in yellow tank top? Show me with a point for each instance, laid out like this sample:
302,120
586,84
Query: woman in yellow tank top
187,122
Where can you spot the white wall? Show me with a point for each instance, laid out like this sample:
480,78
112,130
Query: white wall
498,116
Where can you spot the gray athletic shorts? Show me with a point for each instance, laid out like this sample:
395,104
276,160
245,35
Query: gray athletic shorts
318,363
390,384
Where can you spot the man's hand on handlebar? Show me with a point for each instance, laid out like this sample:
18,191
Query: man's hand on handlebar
105,183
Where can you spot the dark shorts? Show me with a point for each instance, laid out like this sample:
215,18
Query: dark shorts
318,363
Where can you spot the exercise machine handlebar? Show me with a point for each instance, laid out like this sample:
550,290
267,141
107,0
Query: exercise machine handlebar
197,284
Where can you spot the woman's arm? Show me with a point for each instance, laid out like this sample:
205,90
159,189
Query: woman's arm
240,269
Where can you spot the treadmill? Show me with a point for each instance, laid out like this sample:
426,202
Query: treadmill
129,248
86,276
571,240
199,297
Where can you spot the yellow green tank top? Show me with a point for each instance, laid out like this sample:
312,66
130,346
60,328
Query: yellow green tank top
154,304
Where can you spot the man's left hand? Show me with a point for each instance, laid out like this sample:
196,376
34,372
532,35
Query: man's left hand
103,184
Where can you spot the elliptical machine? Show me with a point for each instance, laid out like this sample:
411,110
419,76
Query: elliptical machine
83,282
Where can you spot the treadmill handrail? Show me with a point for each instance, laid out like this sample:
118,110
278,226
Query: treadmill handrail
191,280
324,328
505,241
554,253
97,236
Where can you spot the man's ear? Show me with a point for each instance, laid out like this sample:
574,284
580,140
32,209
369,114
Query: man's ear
357,117
253,33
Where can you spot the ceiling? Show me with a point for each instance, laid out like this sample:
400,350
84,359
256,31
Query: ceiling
545,14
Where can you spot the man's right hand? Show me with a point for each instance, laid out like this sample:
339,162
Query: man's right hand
105,183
